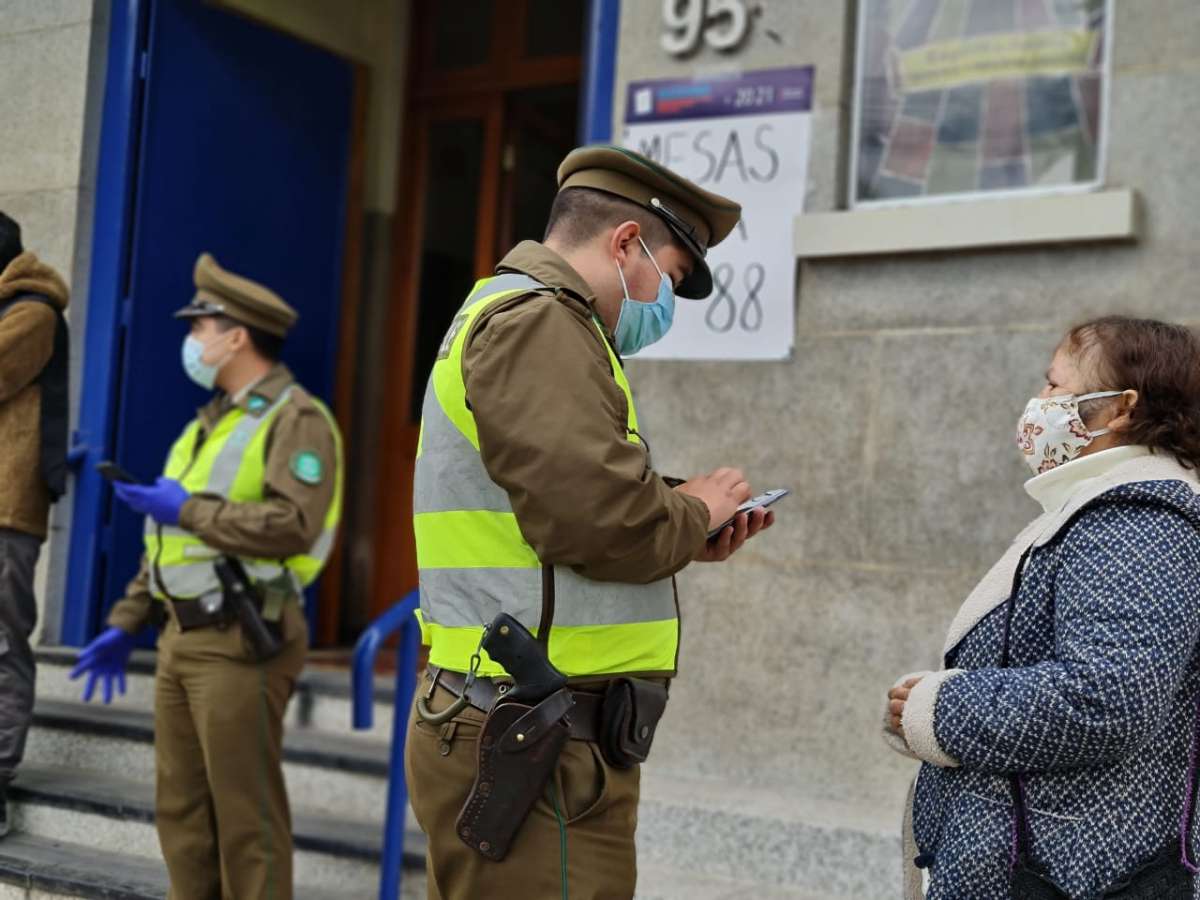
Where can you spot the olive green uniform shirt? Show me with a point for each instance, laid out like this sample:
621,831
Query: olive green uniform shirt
291,515
552,432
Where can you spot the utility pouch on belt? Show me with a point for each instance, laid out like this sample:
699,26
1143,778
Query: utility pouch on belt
519,747
629,716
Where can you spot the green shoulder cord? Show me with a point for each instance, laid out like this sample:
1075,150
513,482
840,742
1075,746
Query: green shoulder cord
562,842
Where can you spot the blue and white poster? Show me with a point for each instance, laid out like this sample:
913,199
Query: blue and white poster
746,137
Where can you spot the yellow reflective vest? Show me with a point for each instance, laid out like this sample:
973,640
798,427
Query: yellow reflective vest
231,463
474,561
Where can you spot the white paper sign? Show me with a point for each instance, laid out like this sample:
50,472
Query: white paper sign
748,139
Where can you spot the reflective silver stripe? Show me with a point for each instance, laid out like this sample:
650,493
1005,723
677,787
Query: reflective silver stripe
512,281
190,580
582,601
469,597
201,597
473,597
324,545
450,474
265,571
168,531
195,579
233,451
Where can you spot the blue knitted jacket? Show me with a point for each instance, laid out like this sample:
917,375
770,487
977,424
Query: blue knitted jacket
1097,711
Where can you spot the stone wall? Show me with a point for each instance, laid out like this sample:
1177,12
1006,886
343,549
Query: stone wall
892,424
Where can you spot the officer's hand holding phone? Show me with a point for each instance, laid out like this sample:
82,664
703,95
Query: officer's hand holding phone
723,491
730,539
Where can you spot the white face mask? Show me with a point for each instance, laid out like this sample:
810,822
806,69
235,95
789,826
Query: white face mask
1051,430
202,373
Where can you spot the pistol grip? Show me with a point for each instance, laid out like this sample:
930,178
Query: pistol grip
511,644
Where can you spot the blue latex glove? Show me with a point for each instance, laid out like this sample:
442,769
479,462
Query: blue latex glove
162,500
104,660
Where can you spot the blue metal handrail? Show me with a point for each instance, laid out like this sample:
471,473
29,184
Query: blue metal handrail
399,618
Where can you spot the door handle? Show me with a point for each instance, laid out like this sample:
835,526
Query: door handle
77,455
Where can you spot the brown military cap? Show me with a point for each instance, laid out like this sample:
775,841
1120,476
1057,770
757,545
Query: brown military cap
698,218
221,293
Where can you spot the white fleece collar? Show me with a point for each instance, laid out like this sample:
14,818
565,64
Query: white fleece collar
1053,489
997,583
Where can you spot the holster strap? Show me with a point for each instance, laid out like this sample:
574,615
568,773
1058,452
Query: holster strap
584,716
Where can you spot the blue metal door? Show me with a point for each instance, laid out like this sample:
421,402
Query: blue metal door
219,135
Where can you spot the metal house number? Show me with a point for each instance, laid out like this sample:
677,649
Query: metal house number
721,24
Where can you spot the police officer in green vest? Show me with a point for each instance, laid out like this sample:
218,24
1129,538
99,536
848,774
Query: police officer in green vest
535,495
256,477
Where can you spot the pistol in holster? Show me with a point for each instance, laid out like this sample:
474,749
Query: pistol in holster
519,744
525,732
265,639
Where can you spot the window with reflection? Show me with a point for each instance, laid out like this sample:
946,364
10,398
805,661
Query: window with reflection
978,97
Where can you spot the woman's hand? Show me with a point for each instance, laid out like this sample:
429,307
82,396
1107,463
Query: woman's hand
897,697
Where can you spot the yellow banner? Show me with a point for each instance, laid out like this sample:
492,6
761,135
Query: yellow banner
991,57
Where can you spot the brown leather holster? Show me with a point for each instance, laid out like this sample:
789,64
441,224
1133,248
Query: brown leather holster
519,747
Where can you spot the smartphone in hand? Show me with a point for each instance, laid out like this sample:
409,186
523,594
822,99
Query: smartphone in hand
761,501
111,471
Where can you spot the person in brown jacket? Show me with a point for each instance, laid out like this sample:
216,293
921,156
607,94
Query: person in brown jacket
32,455
256,477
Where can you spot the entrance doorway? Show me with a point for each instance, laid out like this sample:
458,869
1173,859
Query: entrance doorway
269,202
493,107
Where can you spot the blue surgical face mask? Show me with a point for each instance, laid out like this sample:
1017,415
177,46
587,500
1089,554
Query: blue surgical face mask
204,374
641,324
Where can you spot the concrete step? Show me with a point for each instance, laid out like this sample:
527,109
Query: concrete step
116,815
322,701
724,835
346,776
38,868
713,830
48,867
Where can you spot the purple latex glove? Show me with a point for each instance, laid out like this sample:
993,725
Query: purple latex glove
104,660
162,500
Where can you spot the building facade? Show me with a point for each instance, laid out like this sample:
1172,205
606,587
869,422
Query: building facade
943,247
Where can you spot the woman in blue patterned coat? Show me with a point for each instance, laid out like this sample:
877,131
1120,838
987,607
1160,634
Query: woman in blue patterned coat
1071,689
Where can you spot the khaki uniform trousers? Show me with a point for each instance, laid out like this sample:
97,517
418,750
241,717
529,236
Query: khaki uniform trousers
598,804
221,806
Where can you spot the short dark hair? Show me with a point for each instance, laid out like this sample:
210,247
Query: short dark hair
1159,360
10,241
267,345
579,214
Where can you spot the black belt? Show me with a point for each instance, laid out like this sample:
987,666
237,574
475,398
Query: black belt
484,693
191,615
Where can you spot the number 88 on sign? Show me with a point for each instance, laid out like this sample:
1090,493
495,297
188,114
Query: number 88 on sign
748,139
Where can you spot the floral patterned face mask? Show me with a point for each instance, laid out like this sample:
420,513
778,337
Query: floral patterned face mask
1051,431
